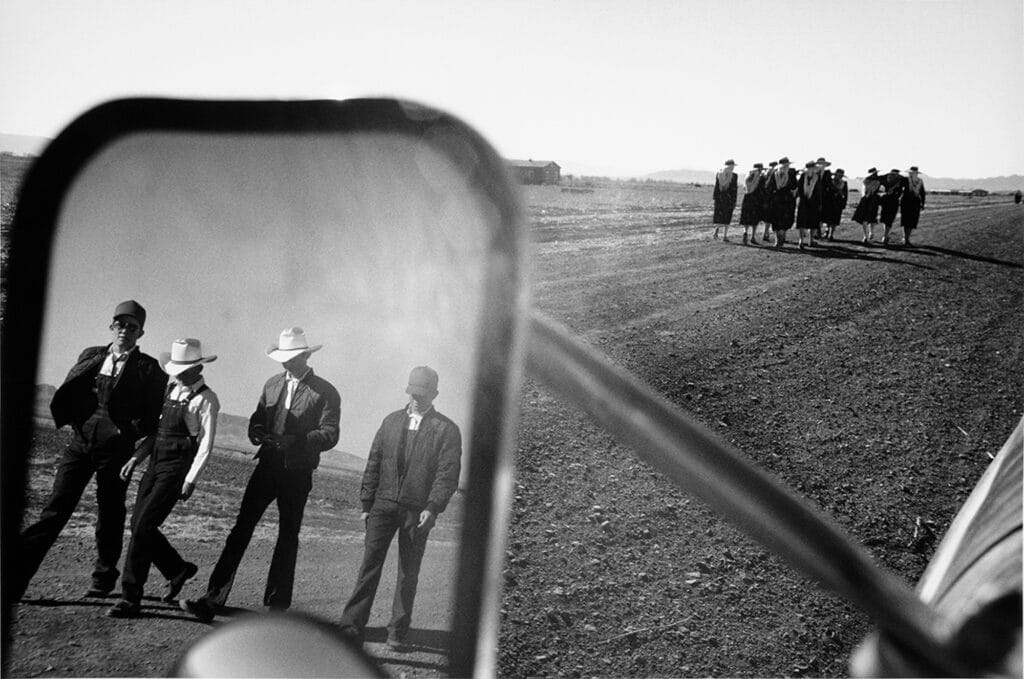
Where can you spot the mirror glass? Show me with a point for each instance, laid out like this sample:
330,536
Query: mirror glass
374,243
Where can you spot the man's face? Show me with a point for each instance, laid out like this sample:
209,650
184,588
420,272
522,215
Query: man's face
297,364
126,332
422,401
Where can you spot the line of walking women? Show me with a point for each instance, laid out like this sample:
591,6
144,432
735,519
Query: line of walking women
813,200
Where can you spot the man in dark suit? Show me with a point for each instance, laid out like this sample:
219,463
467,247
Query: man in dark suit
297,417
111,398
411,474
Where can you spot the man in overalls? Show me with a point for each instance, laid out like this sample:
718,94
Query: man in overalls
111,398
178,453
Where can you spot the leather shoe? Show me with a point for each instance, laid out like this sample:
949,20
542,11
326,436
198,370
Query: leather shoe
98,592
124,609
201,609
175,584
396,641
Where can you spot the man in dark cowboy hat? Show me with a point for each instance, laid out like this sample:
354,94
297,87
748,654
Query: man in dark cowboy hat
411,473
295,420
178,452
111,398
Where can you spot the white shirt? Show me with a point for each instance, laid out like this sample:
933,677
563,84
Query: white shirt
201,419
114,362
291,384
415,418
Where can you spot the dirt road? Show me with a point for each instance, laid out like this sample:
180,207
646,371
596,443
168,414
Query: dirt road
58,632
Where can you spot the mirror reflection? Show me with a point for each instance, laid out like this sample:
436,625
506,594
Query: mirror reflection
358,255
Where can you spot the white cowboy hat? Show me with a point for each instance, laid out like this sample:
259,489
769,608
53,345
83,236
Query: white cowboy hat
290,344
185,353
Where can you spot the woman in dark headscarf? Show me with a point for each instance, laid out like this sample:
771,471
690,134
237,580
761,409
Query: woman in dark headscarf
808,214
911,203
766,213
835,203
726,190
781,191
894,184
752,210
866,212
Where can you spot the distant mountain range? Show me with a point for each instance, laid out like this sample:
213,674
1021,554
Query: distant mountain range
232,436
998,184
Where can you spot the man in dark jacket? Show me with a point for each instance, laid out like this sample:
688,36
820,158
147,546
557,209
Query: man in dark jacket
295,420
111,398
412,472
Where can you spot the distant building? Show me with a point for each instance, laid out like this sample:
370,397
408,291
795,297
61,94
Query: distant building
535,171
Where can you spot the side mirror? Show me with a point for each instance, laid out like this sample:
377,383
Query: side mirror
390,231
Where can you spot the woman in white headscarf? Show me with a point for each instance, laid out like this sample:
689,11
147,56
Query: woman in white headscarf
752,209
726,190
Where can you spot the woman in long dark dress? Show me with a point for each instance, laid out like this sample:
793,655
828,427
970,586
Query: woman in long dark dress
808,212
766,214
752,209
726,190
781,191
911,203
894,184
866,212
835,203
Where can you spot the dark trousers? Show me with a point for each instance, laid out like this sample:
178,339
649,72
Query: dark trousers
385,519
77,466
158,493
270,481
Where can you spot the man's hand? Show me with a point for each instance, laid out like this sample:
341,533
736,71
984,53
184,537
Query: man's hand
187,489
364,516
128,468
280,441
427,519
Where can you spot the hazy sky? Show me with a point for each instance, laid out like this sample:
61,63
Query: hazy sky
617,86
375,246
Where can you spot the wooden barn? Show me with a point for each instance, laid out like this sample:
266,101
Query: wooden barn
536,171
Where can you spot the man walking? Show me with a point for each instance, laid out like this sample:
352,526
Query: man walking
178,453
411,474
111,398
295,420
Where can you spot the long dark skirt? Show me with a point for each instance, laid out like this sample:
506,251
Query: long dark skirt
782,212
910,212
867,210
752,210
808,215
832,213
723,211
890,208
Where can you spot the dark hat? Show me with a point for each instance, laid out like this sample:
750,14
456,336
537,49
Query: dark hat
809,164
873,170
913,168
133,309
422,381
822,161
773,163
894,171
729,162
840,170
784,160
758,166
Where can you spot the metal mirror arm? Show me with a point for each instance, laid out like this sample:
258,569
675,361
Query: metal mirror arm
713,470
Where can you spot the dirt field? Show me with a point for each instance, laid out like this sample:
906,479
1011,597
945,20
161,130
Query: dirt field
875,381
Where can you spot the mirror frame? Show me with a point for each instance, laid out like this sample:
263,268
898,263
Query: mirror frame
500,351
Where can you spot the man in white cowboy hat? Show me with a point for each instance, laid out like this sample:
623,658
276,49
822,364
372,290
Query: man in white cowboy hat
111,398
295,419
178,452
411,473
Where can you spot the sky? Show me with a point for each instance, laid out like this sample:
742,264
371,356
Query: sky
602,87
232,240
